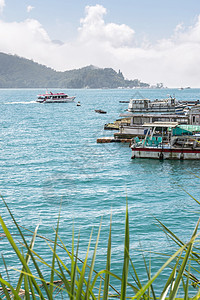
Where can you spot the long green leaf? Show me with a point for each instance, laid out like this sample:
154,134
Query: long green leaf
31,288
81,280
146,286
27,259
126,257
187,284
72,264
149,278
73,278
183,265
188,194
92,265
170,281
137,280
5,289
20,256
99,295
108,264
64,279
4,284
6,268
53,257
197,296
26,288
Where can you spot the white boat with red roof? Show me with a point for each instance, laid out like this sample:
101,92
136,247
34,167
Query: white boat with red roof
50,97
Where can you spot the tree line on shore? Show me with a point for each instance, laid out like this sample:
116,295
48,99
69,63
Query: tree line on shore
18,72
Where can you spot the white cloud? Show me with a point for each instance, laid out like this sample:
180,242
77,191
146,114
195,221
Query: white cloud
93,28
2,4
174,61
29,8
27,39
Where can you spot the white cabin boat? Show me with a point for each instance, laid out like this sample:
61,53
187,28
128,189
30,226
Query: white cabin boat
163,105
168,141
50,97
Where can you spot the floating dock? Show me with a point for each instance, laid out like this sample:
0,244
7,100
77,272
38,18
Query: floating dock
115,125
104,140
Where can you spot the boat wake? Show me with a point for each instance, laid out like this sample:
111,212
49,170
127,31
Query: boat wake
21,102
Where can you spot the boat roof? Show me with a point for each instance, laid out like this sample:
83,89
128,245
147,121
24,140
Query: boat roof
132,99
51,94
153,115
161,124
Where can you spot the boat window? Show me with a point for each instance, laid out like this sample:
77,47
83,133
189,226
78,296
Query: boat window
193,119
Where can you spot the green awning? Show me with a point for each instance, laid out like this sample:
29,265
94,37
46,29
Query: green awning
192,128
186,129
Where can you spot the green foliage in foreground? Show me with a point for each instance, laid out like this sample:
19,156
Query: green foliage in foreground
78,280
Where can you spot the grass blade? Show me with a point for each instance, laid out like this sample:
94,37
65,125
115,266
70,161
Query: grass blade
53,257
81,280
73,276
136,279
4,284
20,256
4,262
183,265
27,259
108,264
126,257
149,278
5,291
170,281
99,295
26,288
92,265
146,286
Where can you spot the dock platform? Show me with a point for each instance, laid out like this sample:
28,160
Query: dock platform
112,140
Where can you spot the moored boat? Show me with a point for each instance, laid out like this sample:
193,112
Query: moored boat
50,97
168,141
164,105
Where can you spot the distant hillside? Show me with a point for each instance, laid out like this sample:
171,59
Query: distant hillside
17,72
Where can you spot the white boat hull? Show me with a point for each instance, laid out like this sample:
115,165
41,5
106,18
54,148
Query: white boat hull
159,153
66,100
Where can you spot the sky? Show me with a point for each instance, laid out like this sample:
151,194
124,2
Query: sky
154,41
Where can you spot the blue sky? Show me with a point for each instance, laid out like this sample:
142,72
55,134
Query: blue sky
156,18
154,41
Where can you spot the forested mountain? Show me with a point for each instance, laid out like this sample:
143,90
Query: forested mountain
17,72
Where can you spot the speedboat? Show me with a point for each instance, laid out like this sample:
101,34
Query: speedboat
50,97
168,141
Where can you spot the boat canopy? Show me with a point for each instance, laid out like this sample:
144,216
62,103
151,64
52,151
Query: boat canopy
186,129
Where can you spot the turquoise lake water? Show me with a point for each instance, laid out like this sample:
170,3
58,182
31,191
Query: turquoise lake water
49,152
